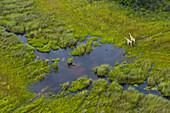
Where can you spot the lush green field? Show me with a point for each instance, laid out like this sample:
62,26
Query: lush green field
49,24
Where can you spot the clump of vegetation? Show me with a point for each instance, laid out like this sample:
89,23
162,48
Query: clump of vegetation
116,100
44,49
55,64
93,38
96,44
35,72
69,61
58,59
151,102
53,45
81,49
98,87
18,29
116,64
28,108
67,40
101,70
40,77
37,42
65,86
10,25
160,77
69,103
89,46
52,60
80,83
130,73
151,81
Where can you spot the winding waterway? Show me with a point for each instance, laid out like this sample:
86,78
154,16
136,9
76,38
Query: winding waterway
82,65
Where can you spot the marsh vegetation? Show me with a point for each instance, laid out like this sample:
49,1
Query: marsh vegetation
53,24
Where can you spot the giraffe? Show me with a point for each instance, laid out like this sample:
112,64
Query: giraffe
128,41
132,39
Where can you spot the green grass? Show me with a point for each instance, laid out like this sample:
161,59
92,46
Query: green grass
101,70
65,86
90,104
18,70
55,64
89,46
79,84
79,51
146,104
96,44
69,61
131,73
44,49
54,46
49,24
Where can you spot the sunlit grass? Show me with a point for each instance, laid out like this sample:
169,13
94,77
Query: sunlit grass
52,23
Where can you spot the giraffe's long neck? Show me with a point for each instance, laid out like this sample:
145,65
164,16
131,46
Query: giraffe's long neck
126,39
132,37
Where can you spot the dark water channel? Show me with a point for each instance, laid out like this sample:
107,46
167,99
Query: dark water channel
82,65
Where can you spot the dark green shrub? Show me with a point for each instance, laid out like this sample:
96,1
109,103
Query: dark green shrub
69,61
151,5
102,70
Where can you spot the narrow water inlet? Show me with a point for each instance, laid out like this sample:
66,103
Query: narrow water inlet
83,65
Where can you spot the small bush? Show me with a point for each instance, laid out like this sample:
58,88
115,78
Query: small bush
69,61
81,49
53,45
55,65
40,77
80,83
67,40
45,49
89,46
102,70
96,44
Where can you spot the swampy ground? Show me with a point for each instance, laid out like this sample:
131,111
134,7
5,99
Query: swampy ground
51,25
